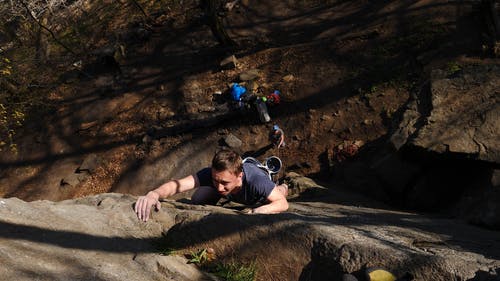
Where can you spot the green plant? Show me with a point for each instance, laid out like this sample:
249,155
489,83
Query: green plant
235,271
454,67
199,257
231,271
11,115
5,67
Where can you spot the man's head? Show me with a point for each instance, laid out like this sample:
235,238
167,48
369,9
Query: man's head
227,171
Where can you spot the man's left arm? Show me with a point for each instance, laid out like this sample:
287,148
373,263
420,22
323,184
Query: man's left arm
277,203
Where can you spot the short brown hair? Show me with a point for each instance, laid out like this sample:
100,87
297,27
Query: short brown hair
229,160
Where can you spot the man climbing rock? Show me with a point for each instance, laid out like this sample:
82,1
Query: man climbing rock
228,177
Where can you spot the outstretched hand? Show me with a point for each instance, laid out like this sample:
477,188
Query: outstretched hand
145,203
247,211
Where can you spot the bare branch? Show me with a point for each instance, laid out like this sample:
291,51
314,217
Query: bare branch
140,8
46,28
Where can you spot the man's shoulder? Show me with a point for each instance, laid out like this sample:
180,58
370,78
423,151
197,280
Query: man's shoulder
251,168
204,176
255,173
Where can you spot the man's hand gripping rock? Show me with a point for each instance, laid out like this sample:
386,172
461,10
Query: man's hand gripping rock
145,203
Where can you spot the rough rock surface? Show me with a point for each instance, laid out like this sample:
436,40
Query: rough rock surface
446,157
95,238
464,114
99,238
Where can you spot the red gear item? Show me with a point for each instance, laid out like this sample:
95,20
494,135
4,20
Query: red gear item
273,99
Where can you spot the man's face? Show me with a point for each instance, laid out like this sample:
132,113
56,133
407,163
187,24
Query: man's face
226,182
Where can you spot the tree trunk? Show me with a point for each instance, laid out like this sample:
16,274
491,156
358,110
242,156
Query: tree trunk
212,9
492,23
42,44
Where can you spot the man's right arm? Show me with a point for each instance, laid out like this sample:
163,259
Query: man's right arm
145,203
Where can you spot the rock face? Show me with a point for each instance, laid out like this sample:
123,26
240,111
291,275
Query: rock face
460,122
444,154
100,238
196,99
95,238
465,115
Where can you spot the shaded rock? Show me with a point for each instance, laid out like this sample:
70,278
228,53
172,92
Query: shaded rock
229,62
480,205
326,117
192,108
407,125
303,186
465,114
495,178
233,141
359,177
484,212
164,113
447,150
88,125
396,182
73,179
147,139
78,175
90,163
288,78
231,4
196,98
252,86
136,34
104,81
249,75
349,277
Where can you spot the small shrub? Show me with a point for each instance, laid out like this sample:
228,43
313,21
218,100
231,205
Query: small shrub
454,67
11,114
235,271
232,271
199,257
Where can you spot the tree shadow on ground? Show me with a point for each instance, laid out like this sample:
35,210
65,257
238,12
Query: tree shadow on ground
172,66
75,240
452,234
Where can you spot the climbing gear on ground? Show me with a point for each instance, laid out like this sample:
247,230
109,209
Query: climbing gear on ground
260,104
274,98
237,91
379,274
346,150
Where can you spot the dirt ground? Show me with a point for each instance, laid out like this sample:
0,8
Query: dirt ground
344,70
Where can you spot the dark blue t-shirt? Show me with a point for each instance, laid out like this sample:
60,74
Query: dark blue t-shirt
256,184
